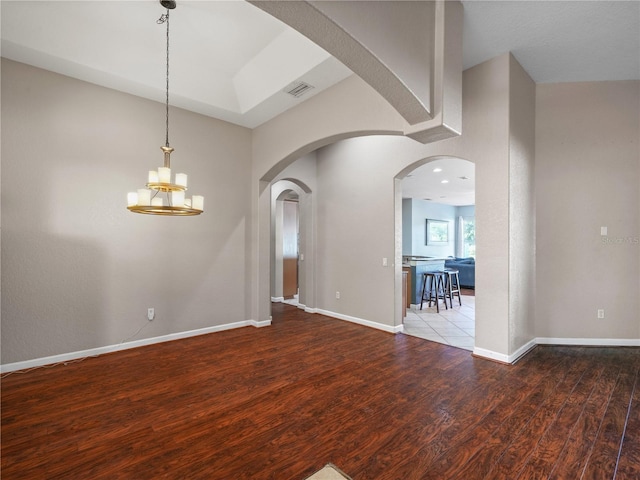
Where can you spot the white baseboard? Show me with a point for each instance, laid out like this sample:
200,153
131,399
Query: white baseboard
490,355
360,321
501,357
480,352
260,324
590,342
94,352
300,305
522,351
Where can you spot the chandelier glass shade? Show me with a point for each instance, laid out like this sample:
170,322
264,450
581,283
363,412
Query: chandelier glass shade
162,196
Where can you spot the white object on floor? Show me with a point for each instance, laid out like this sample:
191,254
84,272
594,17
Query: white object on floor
329,472
292,301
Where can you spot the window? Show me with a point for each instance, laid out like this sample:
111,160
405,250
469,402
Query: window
469,236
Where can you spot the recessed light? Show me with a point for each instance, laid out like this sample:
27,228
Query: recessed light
444,181
437,169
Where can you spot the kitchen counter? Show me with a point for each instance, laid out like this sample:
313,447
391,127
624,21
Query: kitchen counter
412,261
420,265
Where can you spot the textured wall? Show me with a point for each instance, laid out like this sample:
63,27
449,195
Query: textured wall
587,176
78,269
359,212
486,94
522,212
349,108
356,205
355,230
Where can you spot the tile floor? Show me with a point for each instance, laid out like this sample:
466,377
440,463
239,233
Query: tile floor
455,327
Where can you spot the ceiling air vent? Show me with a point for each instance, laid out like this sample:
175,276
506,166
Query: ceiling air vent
297,89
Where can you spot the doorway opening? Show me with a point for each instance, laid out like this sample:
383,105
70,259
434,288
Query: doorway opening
438,237
286,245
291,243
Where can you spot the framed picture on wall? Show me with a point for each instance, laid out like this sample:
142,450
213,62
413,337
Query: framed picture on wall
437,232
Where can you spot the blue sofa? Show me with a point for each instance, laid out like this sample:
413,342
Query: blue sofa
467,269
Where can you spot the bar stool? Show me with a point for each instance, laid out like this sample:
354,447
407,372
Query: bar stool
451,285
435,289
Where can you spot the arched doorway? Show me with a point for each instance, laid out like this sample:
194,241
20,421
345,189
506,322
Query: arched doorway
284,286
288,169
292,244
436,218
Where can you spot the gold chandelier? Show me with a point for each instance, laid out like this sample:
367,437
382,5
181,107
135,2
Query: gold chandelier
149,200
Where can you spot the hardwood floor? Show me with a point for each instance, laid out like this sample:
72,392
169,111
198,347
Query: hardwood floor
282,401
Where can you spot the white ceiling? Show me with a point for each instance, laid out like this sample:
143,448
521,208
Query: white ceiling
228,59
557,41
231,61
450,181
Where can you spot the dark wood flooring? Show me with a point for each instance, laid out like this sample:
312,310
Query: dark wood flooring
282,401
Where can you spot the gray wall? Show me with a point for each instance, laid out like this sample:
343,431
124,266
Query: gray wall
356,205
522,208
355,230
78,269
588,176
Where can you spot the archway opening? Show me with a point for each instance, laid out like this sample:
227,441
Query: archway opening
437,225
291,274
284,286
288,168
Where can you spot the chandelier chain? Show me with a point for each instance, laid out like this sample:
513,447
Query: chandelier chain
164,18
167,98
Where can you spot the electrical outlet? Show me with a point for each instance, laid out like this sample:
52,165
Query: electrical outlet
338,295
601,313
385,262
151,313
